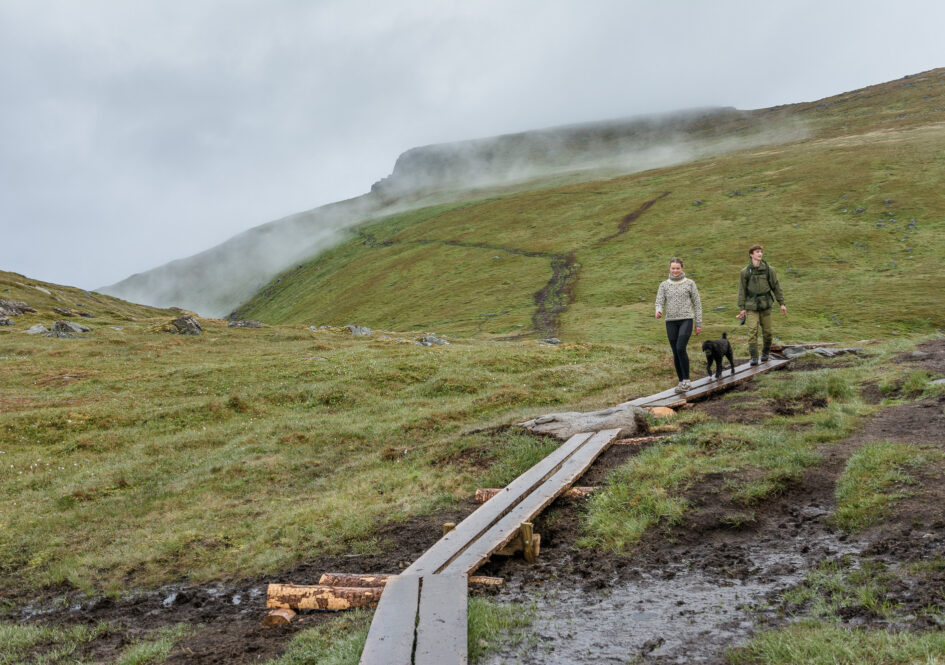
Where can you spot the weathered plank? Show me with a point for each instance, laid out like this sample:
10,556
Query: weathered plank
743,373
391,636
707,385
503,531
442,625
483,494
467,531
381,579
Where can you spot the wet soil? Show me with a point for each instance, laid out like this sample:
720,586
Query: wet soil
684,595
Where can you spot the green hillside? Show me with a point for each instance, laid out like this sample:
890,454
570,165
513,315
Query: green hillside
135,463
852,215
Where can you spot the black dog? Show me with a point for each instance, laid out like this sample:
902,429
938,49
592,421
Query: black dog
714,350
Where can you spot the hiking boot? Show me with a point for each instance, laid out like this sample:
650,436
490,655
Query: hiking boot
753,361
765,350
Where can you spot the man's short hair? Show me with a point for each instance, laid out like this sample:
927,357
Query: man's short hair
753,248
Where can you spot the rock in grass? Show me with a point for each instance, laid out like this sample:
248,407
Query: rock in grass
431,340
550,340
63,311
14,307
6,321
187,325
182,325
67,329
38,329
564,425
358,331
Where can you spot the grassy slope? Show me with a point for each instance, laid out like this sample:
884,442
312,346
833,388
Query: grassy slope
421,270
134,457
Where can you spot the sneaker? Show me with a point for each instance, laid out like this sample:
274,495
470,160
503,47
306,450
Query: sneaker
680,388
686,384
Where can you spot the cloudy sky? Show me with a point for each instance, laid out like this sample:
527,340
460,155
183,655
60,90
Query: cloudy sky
136,132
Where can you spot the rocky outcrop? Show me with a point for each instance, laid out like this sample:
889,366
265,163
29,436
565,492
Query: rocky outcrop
67,329
628,419
14,308
182,325
244,324
6,321
187,325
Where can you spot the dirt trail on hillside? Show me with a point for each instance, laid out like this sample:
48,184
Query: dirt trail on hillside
684,595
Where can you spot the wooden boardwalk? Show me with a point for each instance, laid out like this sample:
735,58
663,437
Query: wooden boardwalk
423,610
421,617
703,387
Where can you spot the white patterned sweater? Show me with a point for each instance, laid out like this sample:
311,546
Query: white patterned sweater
679,299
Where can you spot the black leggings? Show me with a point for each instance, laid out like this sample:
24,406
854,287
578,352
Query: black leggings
679,333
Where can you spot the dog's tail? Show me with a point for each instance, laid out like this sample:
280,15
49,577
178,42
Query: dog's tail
724,335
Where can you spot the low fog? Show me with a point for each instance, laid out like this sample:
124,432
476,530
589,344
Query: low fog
216,281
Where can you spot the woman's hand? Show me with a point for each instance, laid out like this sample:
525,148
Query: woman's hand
698,329
659,315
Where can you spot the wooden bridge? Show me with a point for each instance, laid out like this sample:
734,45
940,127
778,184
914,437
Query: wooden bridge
421,618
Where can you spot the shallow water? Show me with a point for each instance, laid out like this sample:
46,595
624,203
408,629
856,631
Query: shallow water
681,613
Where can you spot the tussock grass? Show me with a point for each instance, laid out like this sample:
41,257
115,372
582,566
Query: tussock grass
835,585
493,626
816,643
339,642
52,645
171,458
876,476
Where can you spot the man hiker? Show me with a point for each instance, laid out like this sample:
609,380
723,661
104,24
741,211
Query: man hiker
758,288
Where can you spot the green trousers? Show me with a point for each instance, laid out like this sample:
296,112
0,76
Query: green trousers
755,320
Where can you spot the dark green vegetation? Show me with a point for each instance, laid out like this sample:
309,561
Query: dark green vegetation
132,458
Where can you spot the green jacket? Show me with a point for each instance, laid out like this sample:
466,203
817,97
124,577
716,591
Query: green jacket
758,288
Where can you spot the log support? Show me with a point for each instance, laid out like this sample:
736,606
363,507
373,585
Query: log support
525,541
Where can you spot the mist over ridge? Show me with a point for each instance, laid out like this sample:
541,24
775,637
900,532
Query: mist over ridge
216,281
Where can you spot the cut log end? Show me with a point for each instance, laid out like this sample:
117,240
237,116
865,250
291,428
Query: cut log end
279,617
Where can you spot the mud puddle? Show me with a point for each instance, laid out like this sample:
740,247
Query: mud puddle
680,611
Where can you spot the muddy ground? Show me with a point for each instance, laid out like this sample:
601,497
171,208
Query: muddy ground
684,595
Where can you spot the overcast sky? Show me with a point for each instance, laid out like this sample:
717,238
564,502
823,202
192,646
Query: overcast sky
135,132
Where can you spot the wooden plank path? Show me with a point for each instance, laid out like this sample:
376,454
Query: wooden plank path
709,384
421,618
431,594
467,532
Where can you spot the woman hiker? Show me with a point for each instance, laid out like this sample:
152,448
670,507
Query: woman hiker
677,300
758,288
